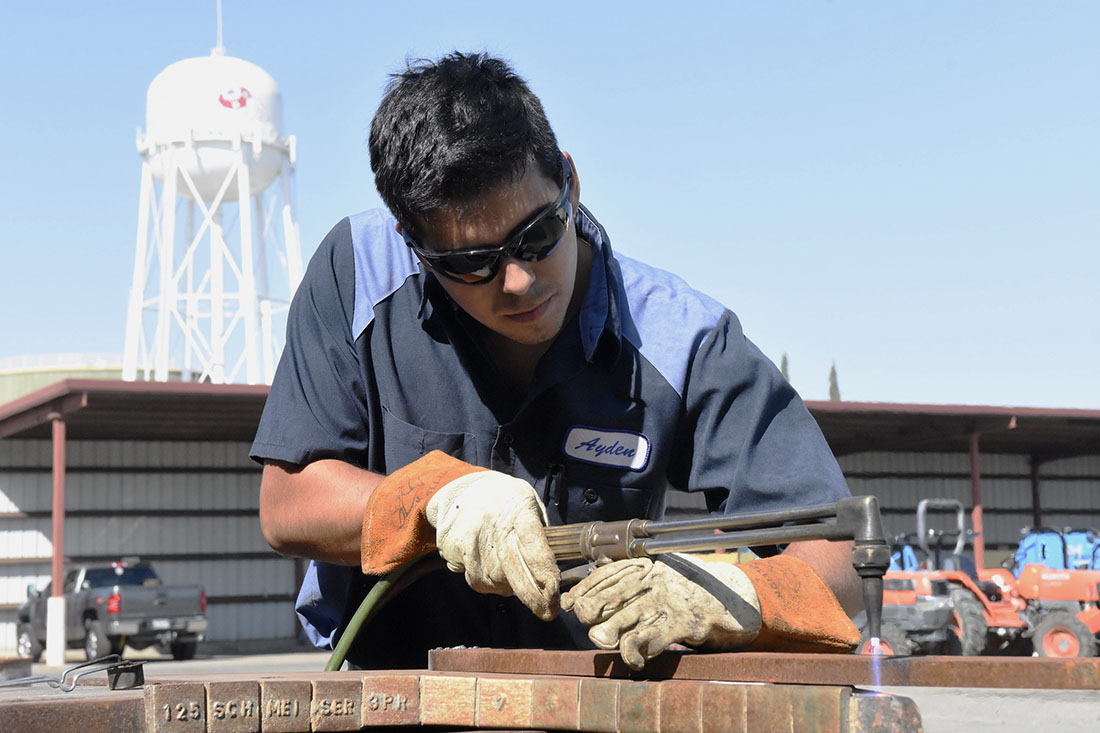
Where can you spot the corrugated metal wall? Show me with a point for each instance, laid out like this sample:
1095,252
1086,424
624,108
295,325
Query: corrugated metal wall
190,508
1069,491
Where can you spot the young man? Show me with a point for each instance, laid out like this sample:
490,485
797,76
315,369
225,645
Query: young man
485,323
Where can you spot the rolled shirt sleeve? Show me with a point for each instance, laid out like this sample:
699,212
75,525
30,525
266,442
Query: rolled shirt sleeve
317,407
749,440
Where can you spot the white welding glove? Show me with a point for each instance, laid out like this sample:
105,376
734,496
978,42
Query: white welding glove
642,606
490,526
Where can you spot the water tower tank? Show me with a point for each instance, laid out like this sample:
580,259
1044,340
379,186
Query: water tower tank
204,108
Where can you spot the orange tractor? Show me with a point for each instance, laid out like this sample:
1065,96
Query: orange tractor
1058,575
987,612
940,604
1047,604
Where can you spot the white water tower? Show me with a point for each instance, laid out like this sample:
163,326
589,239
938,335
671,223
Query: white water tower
218,254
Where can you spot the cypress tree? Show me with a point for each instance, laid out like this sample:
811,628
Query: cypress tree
783,367
834,388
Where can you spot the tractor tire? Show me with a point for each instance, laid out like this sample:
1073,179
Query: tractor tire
96,642
968,634
894,640
28,644
1062,635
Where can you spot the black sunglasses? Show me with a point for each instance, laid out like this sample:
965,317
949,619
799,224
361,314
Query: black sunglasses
531,241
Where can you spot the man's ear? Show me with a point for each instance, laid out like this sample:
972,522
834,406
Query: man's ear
575,185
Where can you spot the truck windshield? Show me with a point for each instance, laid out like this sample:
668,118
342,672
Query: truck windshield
136,575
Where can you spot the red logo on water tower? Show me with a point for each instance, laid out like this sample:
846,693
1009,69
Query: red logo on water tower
234,98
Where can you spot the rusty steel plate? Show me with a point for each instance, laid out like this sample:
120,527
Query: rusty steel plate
176,708
284,705
336,700
233,707
873,712
808,669
391,699
87,709
14,667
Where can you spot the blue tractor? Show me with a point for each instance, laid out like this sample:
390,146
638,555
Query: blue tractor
1067,549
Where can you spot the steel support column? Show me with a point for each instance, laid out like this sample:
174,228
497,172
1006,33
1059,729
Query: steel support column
976,498
55,605
1036,500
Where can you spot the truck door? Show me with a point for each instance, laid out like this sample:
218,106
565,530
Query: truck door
38,610
74,608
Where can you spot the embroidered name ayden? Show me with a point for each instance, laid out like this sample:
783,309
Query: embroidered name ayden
607,447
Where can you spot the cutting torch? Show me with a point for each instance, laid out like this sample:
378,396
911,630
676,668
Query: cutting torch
587,544
856,519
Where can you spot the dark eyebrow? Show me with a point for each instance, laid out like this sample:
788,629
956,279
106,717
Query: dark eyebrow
523,223
562,199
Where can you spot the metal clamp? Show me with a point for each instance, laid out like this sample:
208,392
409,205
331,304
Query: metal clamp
120,675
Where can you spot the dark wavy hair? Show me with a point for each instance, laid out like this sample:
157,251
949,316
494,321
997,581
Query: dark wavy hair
450,130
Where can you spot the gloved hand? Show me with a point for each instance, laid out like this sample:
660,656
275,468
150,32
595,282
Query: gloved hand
485,523
490,526
642,606
773,604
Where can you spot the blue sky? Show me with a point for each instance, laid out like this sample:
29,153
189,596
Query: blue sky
909,190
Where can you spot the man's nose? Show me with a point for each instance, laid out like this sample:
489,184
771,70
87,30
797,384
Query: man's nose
518,276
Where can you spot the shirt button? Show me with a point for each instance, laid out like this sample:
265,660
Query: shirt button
507,438
502,609
590,496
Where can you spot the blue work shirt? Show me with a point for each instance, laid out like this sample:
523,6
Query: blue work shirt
653,386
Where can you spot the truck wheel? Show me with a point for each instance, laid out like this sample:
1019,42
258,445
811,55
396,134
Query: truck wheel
968,633
28,644
1061,634
183,650
96,642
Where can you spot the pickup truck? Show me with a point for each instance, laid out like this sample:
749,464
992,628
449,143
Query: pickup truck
111,606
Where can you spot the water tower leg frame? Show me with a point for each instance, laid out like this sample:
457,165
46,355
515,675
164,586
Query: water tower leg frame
248,279
162,339
216,366
195,300
290,234
136,306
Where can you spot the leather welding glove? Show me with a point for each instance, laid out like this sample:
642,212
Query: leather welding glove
485,524
642,606
489,526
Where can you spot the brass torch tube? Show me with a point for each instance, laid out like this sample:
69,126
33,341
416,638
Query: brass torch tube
746,538
736,521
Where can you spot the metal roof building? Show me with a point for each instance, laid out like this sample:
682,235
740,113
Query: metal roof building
155,470
161,470
1013,467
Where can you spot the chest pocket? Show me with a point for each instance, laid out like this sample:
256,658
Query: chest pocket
404,442
593,493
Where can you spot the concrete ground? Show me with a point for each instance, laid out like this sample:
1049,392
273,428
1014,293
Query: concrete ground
305,659
972,709
943,709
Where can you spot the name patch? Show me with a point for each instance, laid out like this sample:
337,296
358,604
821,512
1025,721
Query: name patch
620,449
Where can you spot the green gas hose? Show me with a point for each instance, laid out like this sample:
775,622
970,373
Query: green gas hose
383,591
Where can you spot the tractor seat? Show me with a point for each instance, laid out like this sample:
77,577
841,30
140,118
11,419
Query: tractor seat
991,590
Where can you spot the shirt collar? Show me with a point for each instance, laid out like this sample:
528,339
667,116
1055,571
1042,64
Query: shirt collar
426,283
599,315
432,296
